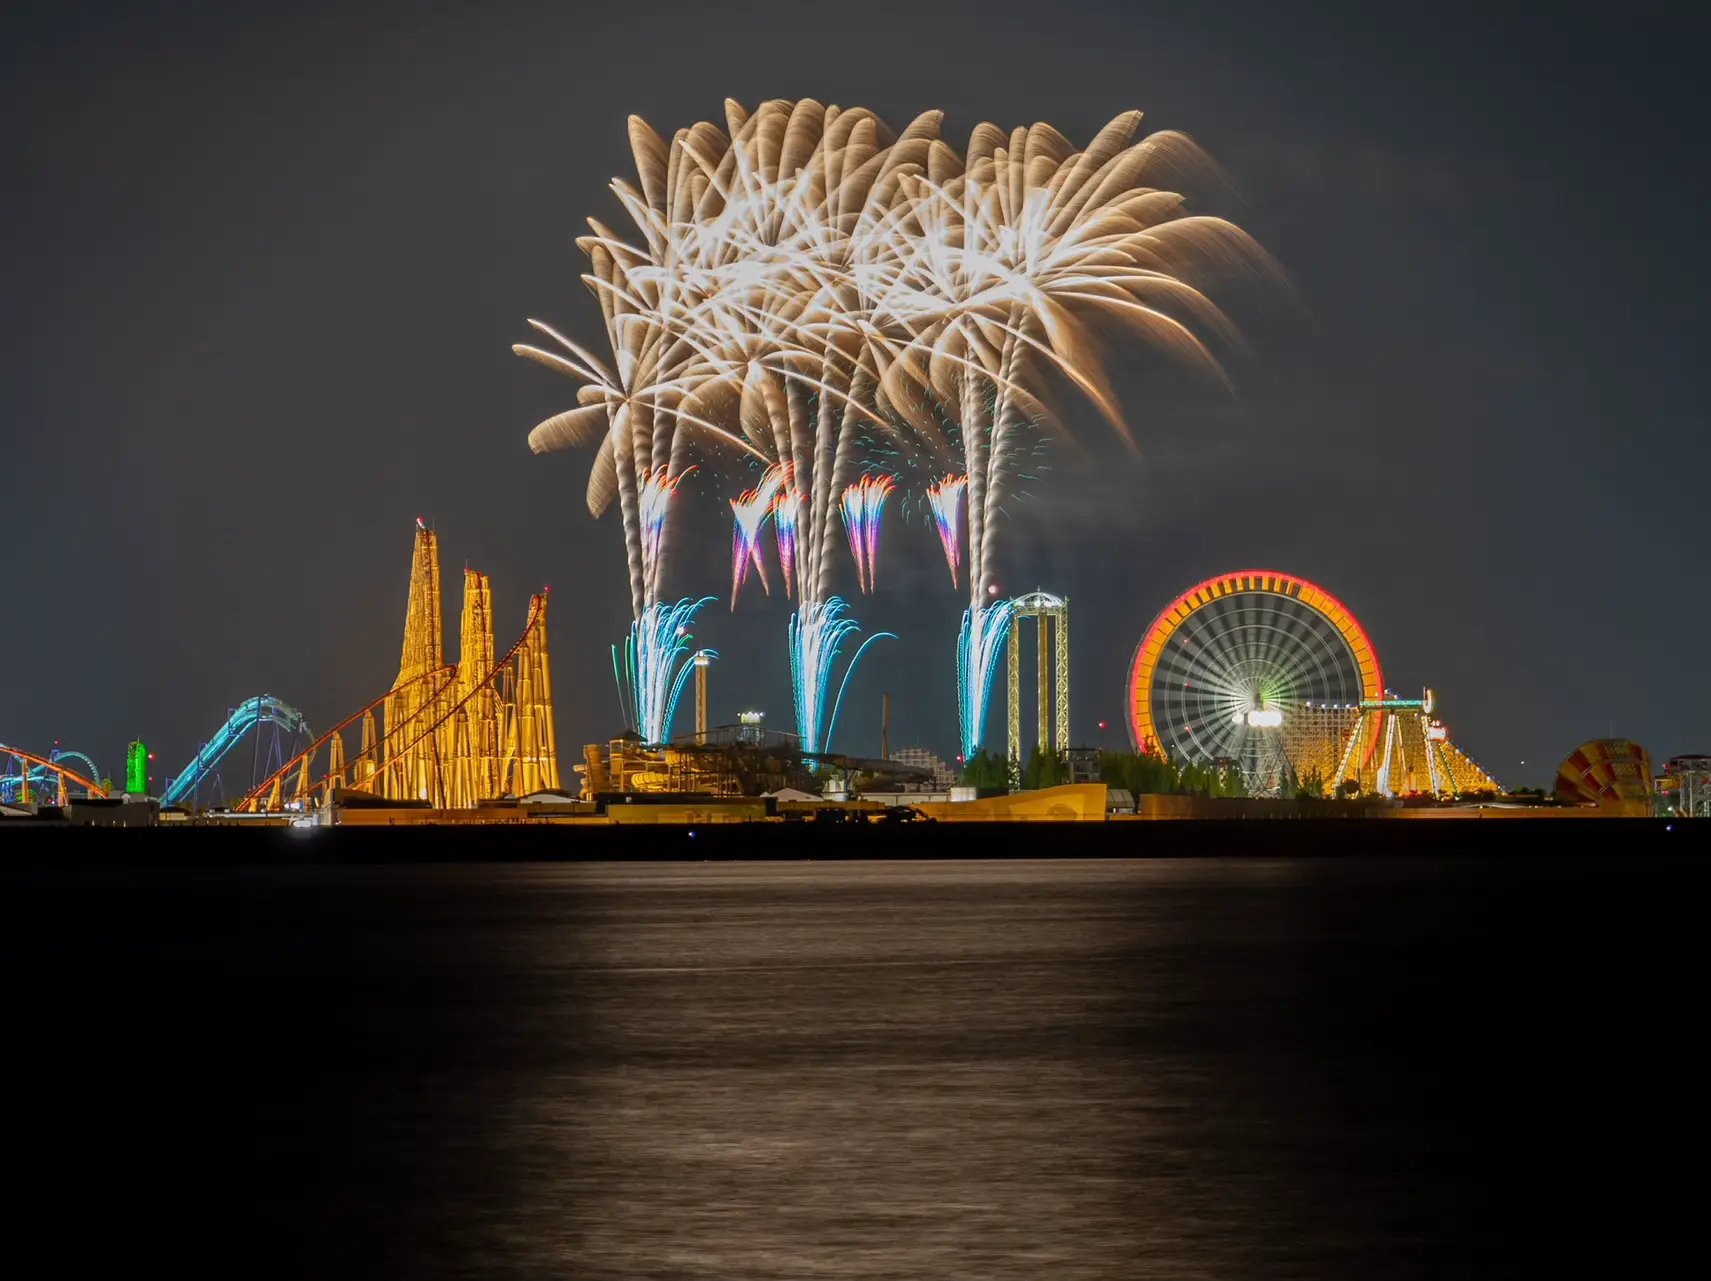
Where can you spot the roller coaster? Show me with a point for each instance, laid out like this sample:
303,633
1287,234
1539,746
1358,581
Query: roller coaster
276,731
446,736
29,778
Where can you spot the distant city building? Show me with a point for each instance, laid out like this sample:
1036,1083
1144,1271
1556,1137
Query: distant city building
944,776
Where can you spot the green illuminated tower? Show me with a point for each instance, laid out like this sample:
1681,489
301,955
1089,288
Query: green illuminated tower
137,769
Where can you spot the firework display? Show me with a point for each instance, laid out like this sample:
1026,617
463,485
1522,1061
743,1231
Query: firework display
944,499
786,519
817,634
863,506
749,512
654,496
748,517
985,629
655,663
808,288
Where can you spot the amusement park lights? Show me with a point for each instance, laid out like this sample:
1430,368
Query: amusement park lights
805,287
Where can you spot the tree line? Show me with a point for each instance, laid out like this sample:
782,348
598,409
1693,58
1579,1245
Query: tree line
1139,773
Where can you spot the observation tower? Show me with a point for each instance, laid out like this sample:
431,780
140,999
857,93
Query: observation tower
1271,674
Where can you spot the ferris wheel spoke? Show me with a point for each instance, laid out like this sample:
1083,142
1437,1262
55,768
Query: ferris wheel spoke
1219,654
1316,642
1304,644
1259,647
1200,674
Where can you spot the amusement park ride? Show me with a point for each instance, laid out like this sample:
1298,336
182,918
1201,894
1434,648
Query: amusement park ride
1257,671
275,730
1051,615
1272,674
30,778
448,736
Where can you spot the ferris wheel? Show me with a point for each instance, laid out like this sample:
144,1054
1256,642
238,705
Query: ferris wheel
1240,664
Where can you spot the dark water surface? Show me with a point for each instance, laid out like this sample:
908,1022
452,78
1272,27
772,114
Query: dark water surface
1352,1068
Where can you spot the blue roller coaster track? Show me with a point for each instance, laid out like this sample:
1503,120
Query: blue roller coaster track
251,717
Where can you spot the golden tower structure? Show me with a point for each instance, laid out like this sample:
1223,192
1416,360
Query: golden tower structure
1052,630
470,737
530,762
410,775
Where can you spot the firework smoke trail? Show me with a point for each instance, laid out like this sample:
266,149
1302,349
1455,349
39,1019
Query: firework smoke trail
657,662
985,629
817,633
945,499
863,506
786,520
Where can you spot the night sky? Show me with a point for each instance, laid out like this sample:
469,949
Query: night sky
262,274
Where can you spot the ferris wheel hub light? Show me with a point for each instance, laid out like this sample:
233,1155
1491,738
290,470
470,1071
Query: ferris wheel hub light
1265,718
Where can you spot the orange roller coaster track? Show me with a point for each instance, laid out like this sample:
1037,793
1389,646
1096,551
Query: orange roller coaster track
453,736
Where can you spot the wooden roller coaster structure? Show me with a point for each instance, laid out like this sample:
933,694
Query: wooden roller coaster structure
449,736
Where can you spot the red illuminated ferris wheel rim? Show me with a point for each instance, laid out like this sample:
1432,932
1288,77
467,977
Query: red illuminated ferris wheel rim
1143,732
